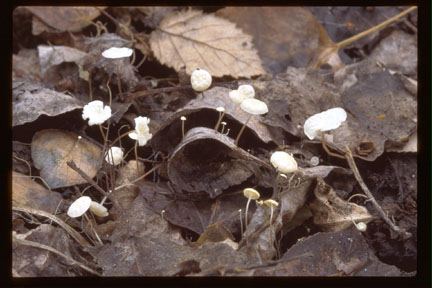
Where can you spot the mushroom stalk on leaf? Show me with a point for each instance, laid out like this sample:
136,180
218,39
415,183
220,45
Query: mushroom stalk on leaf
284,163
253,107
271,203
251,194
117,53
221,111
325,121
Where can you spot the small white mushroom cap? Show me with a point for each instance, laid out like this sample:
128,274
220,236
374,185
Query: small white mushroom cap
247,90
79,207
324,121
254,106
283,162
117,156
115,53
96,112
361,226
251,193
98,209
271,203
220,109
201,80
236,96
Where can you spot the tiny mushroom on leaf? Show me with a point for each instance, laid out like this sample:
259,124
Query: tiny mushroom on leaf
271,203
201,80
283,162
142,132
253,107
221,111
242,93
114,156
79,207
98,209
251,194
324,121
96,112
117,53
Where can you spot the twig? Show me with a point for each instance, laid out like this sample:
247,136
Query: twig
48,248
139,178
73,166
57,220
365,189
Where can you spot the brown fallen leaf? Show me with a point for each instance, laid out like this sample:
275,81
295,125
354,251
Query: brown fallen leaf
30,100
331,213
281,42
54,55
194,40
52,148
26,192
72,19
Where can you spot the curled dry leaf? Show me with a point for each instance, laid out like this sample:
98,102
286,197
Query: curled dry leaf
213,98
26,192
331,213
52,148
29,101
72,19
193,40
208,161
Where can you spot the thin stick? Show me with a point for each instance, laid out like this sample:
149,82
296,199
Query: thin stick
57,220
373,29
139,178
48,248
72,165
365,189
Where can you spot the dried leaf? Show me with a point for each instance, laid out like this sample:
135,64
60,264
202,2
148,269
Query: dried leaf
72,19
25,64
193,40
216,232
331,213
32,100
26,192
208,161
52,148
54,55
281,43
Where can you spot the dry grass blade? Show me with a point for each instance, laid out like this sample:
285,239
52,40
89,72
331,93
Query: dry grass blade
48,248
57,220
193,40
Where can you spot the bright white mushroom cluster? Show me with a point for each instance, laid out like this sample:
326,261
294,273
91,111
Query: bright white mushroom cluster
142,132
96,112
84,203
324,121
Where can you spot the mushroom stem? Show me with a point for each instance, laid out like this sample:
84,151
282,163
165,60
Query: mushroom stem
271,232
183,119
221,114
241,222
246,220
136,156
241,130
326,148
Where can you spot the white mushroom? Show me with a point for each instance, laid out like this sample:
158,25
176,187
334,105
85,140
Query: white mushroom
247,90
283,162
117,53
272,204
253,107
79,207
96,112
221,111
114,156
324,121
201,80
98,209
251,194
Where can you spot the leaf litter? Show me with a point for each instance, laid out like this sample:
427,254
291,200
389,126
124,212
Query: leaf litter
185,215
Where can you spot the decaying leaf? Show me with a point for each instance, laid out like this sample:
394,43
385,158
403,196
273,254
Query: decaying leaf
29,101
216,232
52,148
208,161
331,213
213,98
194,40
54,55
26,192
298,42
25,64
344,253
71,19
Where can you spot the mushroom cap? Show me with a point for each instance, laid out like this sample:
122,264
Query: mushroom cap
324,121
247,90
236,96
254,106
79,207
220,109
283,162
117,156
115,53
361,226
200,80
271,203
251,193
96,112
98,209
